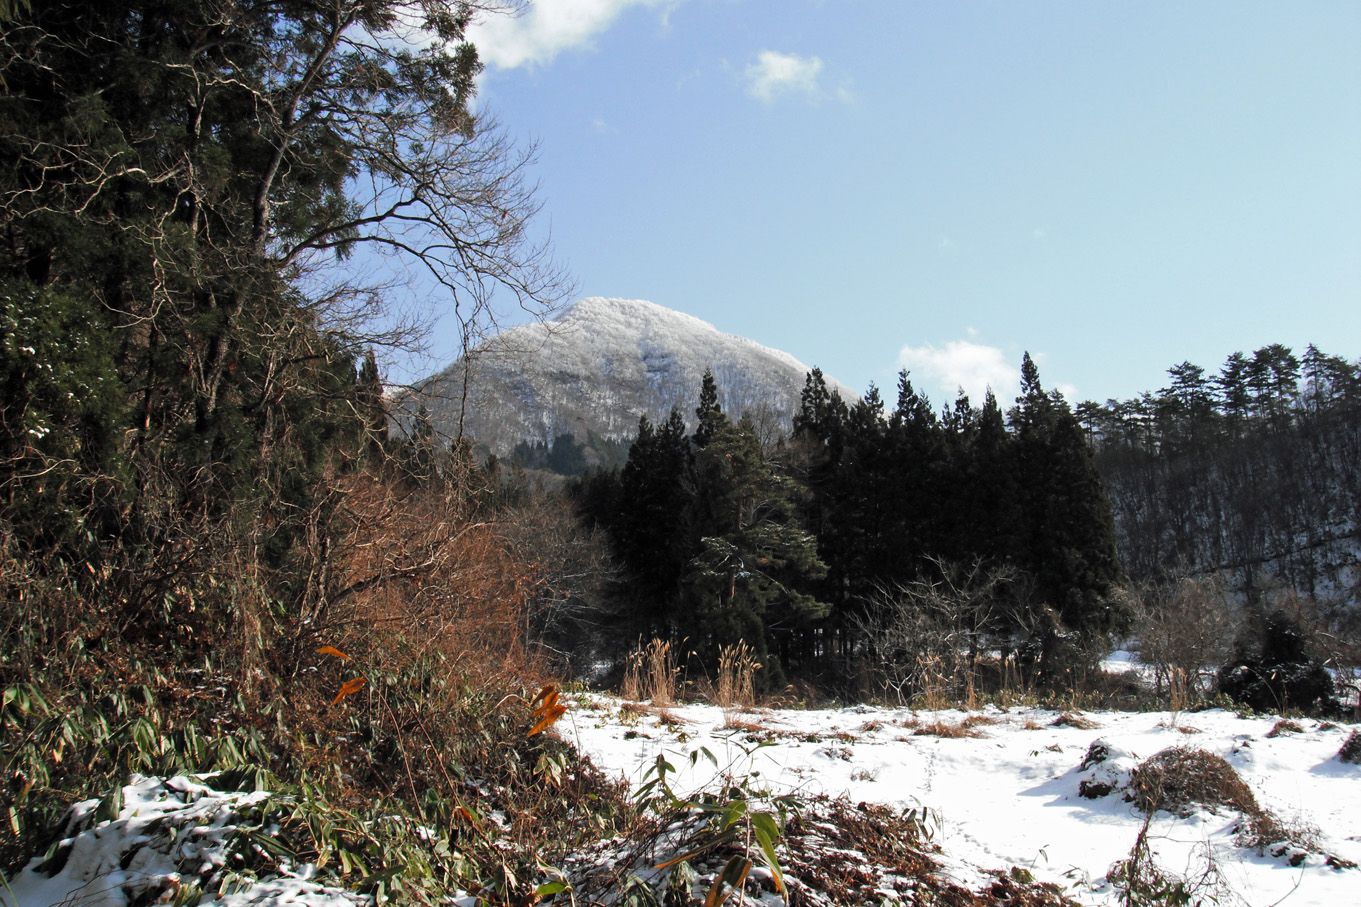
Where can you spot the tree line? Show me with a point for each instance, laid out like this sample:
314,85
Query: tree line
1248,475
1273,389
808,549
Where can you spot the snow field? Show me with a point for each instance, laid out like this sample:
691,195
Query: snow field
1002,786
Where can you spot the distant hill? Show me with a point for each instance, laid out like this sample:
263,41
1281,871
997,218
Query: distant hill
592,372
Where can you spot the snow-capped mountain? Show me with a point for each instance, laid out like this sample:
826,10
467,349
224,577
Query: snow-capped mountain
600,366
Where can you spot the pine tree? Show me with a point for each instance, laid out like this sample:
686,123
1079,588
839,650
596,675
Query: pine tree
1066,540
372,411
709,414
1235,397
651,531
751,576
822,414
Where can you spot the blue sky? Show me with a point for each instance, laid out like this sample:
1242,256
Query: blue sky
1115,187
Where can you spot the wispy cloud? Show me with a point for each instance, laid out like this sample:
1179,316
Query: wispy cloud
545,28
944,369
774,74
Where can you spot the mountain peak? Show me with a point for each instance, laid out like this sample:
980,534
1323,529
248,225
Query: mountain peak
598,367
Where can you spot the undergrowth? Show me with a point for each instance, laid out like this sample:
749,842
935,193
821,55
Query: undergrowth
365,754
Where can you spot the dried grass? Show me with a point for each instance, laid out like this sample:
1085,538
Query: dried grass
651,674
1182,779
895,862
1285,726
1076,721
737,667
634,709
670,719
945,729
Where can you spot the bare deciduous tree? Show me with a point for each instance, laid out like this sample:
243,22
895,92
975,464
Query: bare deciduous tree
1186,629
926,637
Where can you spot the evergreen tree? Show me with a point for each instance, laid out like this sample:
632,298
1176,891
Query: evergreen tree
1273,378
178,177
1235,397
651,531
755,562
916,483
822,414
372,411
709,414
1066,541
1190,399
992,500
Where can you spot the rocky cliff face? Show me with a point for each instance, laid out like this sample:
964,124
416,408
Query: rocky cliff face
599,367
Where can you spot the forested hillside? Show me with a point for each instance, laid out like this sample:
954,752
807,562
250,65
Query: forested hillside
1250,474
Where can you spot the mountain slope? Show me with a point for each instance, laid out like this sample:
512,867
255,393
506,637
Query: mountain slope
600,366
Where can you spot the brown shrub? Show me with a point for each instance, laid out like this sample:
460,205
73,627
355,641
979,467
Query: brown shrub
1072,720
1180,779
1285,726
1351,749
416,573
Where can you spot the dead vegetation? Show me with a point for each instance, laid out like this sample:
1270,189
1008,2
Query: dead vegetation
651,674
938,728
1074,720
736,686
1351,749
856,853
1285,726
1181,780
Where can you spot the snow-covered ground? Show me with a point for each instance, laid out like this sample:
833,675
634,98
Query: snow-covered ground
1008,796
170,841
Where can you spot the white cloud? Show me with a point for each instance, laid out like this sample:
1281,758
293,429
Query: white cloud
546,28
944,369
774,74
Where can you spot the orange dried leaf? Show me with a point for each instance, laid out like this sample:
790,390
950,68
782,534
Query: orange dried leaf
735,874
332,650
547,719
549,692
349,688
